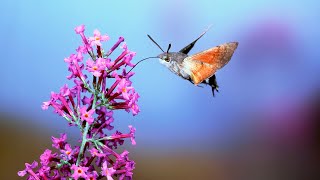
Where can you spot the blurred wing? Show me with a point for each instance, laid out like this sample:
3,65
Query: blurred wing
204,64
186,49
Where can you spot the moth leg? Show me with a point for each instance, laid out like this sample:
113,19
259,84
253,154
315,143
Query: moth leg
213,83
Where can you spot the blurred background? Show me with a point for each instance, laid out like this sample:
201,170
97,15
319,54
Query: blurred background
264,123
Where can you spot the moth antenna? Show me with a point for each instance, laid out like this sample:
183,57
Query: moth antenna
205,31
155,42
140,62
169,48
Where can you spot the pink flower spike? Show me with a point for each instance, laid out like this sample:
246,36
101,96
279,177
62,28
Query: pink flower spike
79,29
107,172
86,115
79,171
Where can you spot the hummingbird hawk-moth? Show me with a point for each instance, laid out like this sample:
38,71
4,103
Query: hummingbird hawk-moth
200,67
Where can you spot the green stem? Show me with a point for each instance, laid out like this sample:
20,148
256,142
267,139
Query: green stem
84,141
85,132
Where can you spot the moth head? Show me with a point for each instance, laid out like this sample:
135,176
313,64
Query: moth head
165,57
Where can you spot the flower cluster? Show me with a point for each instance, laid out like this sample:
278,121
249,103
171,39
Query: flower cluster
89,105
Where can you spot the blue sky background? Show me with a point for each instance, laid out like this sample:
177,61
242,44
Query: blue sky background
275,68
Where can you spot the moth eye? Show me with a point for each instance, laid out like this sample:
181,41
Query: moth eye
166,58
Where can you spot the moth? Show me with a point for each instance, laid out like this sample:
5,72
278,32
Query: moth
200,67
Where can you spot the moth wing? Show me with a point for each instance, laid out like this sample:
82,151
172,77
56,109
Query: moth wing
186,49
204,64
197,70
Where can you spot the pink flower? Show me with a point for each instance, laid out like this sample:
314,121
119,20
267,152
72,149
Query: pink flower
133,104
67,151
64,90
59,142
121,39
92,176
96,67
45,105
128,59
79,171
97,38
46,157
124,89
132,132
74,67
124,46
79,29
95,153
28,168
107,172
82,49
86,115
107,63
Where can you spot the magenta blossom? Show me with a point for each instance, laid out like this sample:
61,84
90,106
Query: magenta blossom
107,172
79,171
95,153
47,157
59,143
96,67
124,89
97,38
67,151
79,29
132,132
28,169
86,115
